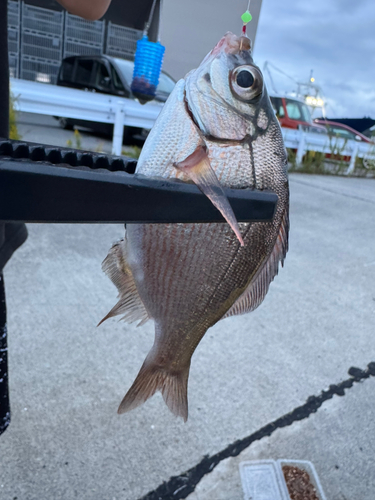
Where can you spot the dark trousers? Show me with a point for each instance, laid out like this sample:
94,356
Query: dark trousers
4,394
4,130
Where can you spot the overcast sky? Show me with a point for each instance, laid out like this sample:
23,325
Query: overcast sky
335,38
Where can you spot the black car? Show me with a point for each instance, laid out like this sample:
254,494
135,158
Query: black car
107,75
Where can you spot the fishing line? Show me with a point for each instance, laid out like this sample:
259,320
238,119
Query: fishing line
246,18
148,24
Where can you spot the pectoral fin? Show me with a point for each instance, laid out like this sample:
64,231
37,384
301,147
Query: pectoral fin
197,166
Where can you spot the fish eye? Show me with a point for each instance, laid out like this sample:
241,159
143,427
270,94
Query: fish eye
246,82
244,79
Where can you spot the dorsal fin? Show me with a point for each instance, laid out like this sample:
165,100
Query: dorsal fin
130,304
254,294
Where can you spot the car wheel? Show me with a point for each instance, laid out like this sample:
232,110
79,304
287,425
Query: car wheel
65,123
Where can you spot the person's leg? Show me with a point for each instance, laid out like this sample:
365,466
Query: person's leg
14,234
4,394
4,131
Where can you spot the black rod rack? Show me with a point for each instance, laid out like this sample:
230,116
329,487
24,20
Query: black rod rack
40,183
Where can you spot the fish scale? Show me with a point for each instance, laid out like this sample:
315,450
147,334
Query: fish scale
186,277
232,164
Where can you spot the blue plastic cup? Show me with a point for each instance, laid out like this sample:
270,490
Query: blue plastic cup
147,68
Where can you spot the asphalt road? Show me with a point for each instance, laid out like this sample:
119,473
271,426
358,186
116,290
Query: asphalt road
256,380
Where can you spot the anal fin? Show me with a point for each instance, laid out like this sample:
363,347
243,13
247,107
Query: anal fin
130,304
256,291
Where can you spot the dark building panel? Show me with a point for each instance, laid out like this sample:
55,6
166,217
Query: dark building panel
46,4
127,13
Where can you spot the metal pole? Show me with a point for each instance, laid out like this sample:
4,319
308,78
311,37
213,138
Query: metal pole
301,148
352,160
118,129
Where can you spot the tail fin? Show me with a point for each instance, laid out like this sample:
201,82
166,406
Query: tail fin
152,378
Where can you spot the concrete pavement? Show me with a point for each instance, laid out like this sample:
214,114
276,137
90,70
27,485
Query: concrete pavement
67,376
338,439
45,129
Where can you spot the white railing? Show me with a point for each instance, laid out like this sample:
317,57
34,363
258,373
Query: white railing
52,100
41,98
312,141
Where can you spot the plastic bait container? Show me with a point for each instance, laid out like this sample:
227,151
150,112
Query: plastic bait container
306,466
264,479
261,480
147,68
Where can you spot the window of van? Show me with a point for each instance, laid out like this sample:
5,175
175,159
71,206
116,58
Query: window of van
166,84
340,132
298,111
67,71
84,70
117,83
102,79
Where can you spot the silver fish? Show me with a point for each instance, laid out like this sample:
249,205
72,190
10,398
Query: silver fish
218,130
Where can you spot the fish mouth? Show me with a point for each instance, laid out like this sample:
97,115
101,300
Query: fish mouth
231,44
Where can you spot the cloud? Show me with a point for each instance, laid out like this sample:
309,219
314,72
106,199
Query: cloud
334,38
